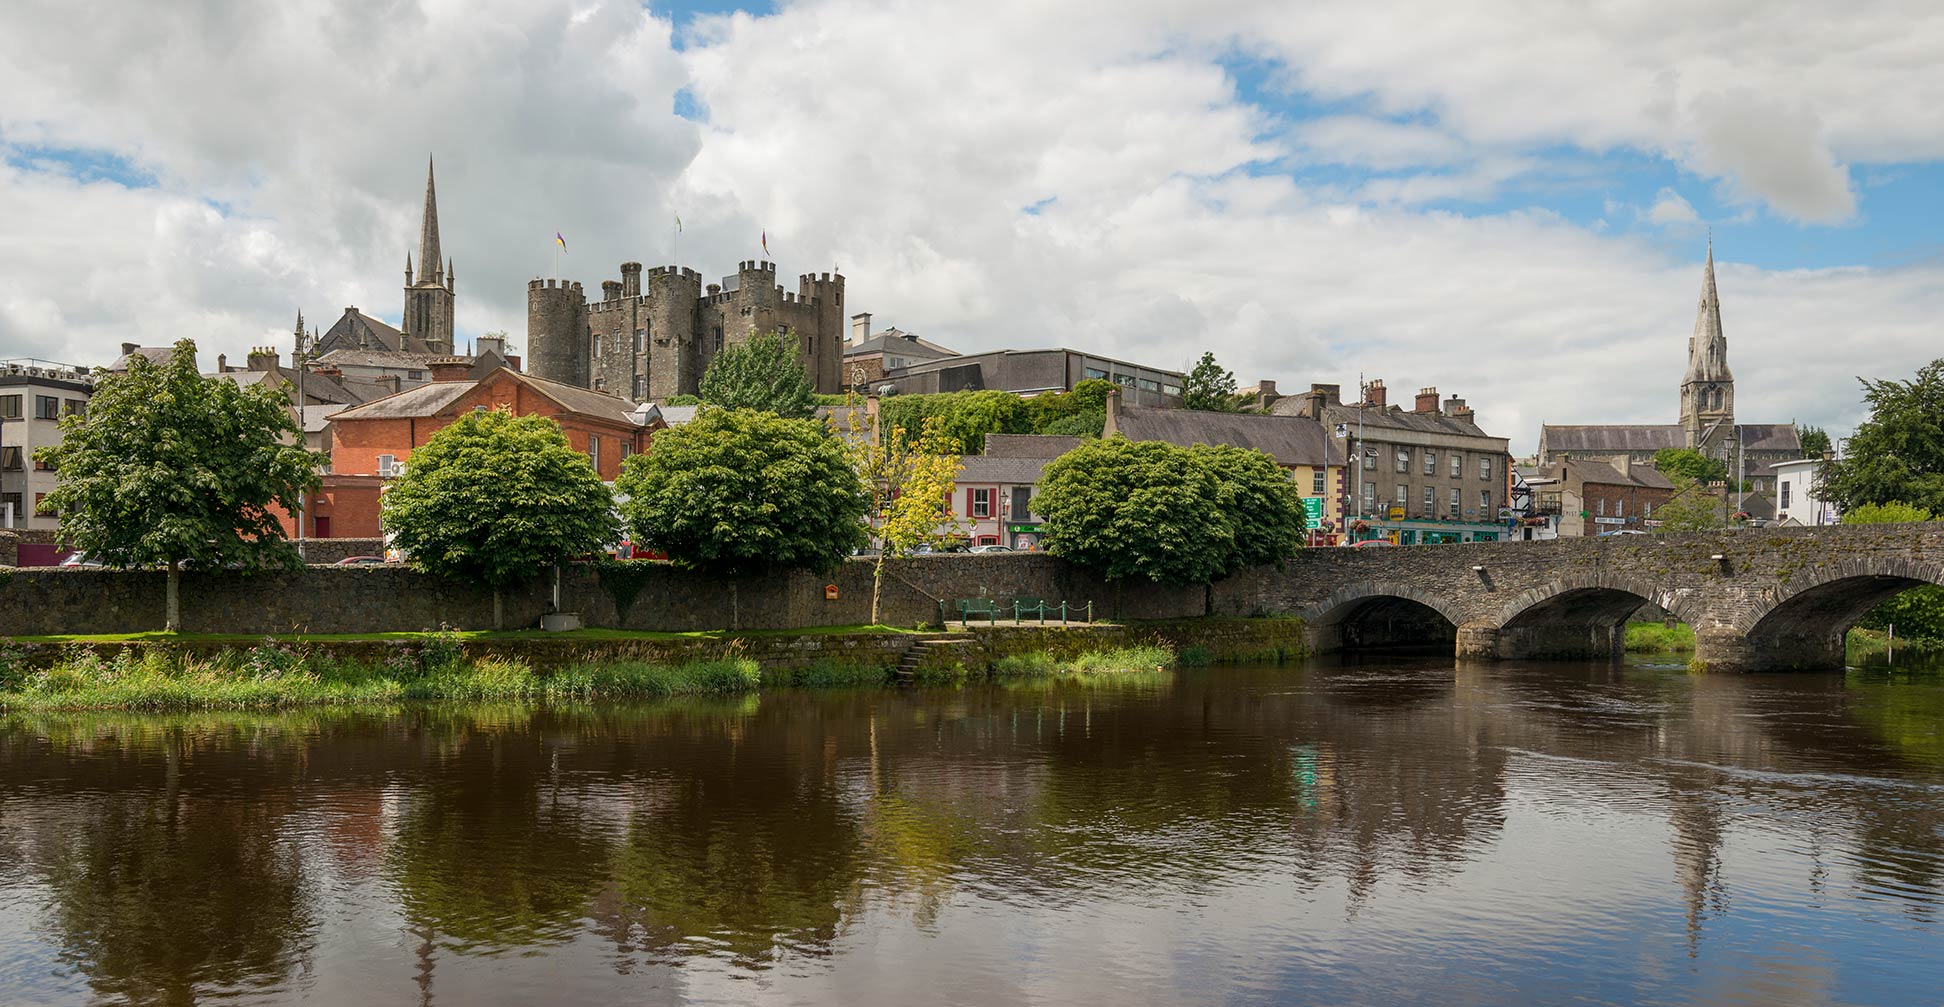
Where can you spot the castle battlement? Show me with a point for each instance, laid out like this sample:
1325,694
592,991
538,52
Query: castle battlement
756,265
549,284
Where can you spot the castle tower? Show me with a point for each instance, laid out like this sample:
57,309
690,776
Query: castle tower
675,361
557,340
825,293
1708,388
428,301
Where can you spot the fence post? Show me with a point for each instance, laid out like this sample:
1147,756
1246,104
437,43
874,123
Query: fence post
1090,611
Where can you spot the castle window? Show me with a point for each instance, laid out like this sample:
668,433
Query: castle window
597,346
637,387
718,339
641,339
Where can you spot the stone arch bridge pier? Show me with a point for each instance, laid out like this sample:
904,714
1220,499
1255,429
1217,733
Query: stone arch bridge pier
1759,599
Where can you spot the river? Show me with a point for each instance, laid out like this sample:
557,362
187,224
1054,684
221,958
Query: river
1352,832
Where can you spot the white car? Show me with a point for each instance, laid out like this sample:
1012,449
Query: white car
991,548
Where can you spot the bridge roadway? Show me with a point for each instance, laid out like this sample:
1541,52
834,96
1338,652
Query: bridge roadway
1759,599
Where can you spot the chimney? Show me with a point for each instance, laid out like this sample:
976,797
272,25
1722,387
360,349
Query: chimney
1266,394
1427,401
1625,463
489,344
860,327
513,362
262,358
1113,413
331,371
450,368
631,279
610,290
128,348
222,363
1375,395
1456,408
909,337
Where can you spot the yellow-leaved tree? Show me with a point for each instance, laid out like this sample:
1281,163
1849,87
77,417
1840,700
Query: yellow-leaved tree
909,480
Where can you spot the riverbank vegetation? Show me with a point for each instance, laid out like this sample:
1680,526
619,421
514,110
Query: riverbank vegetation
1656,638
1122,660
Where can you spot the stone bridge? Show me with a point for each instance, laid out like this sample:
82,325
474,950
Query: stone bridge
1759,599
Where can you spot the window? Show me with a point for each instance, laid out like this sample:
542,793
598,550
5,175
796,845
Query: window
1716,396
637,388
594,451
981,503
1095,374
627,448
1457,503
43,466
1457,465
1785,494
1174,390
1620,507
1485,468
1484,503
11,502
1602,507
387,465
641,339
1022,503
1430,502
1403,461
1370,493
1403,497
9,407
1316,482
988,540
40,505
75,407
597,346
10,459
718,339
1149,385
414,375
47,407
1370,459
1430,462
1650,509
1124,380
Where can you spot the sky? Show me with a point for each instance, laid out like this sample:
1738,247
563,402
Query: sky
1507,200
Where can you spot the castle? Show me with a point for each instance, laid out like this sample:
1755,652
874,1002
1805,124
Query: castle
1707,413
654,343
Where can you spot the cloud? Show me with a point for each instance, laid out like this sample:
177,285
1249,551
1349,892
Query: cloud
904,141
1670,210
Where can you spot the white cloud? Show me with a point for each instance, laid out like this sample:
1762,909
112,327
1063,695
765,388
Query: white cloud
1670,210
901,140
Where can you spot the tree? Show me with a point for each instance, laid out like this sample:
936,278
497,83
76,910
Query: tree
762,373
1152,511
739,491
1898,453
1209,386
169,468
1893,512
1691,508
1262,501
1687,463
909,483
1815,441
966,417
494,498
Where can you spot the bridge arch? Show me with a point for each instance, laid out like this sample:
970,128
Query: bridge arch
1376,615
1578,617
1801,624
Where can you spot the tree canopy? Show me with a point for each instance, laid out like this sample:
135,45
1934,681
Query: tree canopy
1209,386
908,479
1815,441
170,468
1918,612
1898,453
1687,463
763,373
1147,510
736,491
1691,508
494,498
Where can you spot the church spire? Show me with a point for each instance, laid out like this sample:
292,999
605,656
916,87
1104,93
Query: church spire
1708,348
429,227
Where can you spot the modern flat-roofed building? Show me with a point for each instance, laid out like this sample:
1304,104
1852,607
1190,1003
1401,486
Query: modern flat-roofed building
34,395
1031,372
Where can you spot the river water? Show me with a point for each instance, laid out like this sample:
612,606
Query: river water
1389,831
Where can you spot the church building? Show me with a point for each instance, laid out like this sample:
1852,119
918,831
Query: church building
1707,420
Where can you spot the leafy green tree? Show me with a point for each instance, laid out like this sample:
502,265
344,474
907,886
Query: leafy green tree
762,373
168,468
1918,612
1815,441
1147,510
494,498
1083,424
1898,453
909,482
1261,500
739,491
966,417
1209,386
1691,508
1687,463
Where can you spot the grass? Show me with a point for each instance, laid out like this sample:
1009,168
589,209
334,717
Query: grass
1655,638
278,676
475,634
1863,644
827,674
1040,664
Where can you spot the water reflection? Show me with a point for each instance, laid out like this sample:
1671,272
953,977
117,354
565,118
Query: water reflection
1394,829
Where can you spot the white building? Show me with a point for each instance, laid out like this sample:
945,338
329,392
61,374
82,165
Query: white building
1798,494
34,395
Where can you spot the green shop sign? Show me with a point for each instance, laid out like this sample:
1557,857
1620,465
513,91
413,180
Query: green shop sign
1023,529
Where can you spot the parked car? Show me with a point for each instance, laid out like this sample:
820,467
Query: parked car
1621,531
81,559
361,561
1371,543
991,548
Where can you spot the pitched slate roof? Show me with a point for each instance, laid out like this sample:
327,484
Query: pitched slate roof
903,342
432,399
1290,440
987,469
157,355
1388,418
1029,445
1613,438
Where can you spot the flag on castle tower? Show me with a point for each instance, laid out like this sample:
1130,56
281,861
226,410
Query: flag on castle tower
562,242
766,244
678,223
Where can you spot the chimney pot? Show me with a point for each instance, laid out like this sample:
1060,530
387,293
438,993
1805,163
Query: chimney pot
1427,401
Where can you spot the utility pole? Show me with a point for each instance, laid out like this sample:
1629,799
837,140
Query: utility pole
303,439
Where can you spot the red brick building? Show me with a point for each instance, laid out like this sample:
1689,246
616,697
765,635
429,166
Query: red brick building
373,442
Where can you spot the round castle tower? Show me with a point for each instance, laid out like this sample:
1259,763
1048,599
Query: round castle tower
674,365
557,331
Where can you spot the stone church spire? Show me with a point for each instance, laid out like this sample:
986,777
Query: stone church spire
429,226
1708,387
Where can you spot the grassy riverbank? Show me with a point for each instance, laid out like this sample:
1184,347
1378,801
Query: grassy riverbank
274,675
1866,644
1654,638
